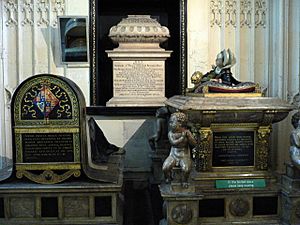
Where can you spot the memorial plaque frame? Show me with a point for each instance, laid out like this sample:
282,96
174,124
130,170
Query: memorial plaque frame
233,128
49,109
101,80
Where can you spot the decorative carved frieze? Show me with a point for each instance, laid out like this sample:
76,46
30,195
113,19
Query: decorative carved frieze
260,13
216,13
245,13
27,11
230,13
58,9
11,8
251,12
43,12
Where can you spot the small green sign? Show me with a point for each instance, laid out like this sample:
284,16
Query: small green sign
248,183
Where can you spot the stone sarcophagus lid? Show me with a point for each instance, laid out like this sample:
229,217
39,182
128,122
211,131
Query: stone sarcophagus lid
48,129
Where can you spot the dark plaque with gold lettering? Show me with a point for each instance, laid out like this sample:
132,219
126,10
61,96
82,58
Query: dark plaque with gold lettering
48,128
233,149
47,147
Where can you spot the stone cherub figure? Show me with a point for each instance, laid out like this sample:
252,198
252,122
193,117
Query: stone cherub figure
295,140
180,138
220,78
160,139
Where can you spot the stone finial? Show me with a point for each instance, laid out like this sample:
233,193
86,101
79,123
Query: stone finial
139,29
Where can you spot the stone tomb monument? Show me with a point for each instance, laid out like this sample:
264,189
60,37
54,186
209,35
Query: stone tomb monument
232,178
50,137
138,62
48,129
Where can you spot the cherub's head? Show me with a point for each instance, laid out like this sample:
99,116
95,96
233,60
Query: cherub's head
178,120
196,77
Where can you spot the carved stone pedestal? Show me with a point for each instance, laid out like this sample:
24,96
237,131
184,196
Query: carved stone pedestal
291,196
138,62
181,205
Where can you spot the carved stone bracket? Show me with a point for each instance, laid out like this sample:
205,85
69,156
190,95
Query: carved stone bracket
262,148
203,155
48,176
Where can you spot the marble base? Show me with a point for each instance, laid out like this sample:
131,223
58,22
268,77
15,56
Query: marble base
134,102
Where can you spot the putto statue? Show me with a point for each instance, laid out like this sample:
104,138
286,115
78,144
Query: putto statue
295,140
180,138
160,139
220,78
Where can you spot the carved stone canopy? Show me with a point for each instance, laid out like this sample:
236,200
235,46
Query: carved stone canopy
139,29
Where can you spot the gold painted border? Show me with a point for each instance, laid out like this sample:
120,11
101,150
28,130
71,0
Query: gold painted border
47,166
46,130
93,58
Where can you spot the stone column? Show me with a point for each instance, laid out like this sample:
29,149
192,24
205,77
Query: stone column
138,62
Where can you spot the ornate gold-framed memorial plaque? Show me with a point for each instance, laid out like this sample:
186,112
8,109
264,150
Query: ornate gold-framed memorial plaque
47,112
233,148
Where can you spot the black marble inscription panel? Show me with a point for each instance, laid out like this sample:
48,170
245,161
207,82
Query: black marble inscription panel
47,147
233,149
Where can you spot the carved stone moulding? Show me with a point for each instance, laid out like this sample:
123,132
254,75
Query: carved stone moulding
139,29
